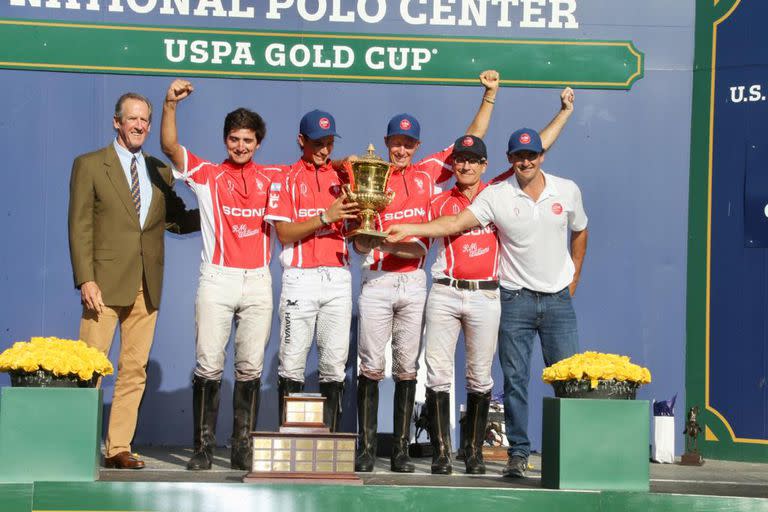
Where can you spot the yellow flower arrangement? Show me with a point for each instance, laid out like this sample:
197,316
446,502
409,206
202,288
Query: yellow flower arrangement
594,367
58,356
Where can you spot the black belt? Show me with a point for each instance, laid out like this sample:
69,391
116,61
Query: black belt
465,284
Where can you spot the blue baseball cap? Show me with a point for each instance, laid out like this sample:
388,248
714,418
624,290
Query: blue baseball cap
318,124
524,139
404,124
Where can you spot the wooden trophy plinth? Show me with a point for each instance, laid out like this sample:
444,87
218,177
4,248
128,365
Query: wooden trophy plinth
304,450
691,459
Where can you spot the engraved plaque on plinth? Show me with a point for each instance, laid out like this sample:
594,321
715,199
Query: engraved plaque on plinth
303,412
304,450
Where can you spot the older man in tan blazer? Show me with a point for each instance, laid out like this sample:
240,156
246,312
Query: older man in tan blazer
120,204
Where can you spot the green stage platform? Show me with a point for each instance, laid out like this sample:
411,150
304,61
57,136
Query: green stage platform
207,497
166,486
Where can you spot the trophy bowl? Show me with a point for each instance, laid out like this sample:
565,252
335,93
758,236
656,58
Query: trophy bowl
368,188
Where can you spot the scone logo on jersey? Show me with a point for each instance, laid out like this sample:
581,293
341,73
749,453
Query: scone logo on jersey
309,212
243,212
408,213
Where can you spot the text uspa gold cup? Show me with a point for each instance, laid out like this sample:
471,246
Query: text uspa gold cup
368,188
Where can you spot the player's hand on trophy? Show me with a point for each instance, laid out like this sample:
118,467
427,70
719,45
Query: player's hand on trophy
341,209
490,80
344,164
178,90
365,243
567,98
398,232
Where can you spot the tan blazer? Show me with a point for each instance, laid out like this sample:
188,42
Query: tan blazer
106,242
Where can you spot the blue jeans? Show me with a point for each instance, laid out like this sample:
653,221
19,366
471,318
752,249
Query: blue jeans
525,313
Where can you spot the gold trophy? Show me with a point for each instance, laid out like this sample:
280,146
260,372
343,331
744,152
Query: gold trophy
368,188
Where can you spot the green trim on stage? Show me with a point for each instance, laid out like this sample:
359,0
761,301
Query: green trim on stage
15,497
197,497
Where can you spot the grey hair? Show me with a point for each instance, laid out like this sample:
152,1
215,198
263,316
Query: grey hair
131,96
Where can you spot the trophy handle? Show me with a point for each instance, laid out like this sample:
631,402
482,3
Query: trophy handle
348,191
350,176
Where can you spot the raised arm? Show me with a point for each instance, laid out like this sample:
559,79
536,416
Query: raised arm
479,125
442,226
578,251
169,138
551,132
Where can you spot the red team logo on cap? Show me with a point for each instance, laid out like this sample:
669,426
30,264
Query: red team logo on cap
467,142
525,138
324,123
557,208
405,124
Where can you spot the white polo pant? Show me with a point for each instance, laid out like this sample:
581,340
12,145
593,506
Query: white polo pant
477,312
391,305
315,301
224,294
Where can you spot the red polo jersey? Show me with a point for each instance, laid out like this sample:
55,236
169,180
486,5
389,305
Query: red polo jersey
414,187
233,201
303,192
472,254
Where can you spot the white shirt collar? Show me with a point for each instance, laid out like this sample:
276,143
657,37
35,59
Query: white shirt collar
125,154
550,189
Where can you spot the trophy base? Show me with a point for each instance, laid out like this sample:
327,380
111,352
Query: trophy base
691,459
367,232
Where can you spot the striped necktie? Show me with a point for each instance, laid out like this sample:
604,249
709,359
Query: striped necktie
135,191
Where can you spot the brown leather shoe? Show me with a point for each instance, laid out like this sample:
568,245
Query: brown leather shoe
124,460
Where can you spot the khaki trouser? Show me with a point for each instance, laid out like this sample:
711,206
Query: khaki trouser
137,328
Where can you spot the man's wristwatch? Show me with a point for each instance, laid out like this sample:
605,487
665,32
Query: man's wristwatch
323,220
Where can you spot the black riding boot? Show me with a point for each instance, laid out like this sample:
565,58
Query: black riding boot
438,408
245,405
205,410
405,393
284,388
367,411
475,423
333,392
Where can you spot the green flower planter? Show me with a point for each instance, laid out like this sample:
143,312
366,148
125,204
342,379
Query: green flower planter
46,379
606,389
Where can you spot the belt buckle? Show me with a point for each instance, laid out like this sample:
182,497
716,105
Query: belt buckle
473,285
